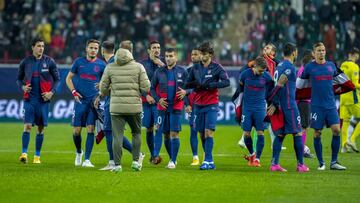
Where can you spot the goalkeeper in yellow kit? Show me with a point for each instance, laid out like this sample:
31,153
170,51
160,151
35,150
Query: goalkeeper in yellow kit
350,102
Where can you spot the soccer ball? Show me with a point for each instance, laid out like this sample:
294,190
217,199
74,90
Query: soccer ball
306,150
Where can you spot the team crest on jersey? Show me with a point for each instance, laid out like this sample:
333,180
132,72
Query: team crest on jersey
209,72
179,75
329,68
44,68
96,69
287,71
356,73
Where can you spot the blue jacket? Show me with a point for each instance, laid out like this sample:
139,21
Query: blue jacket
150,68
159,84
49,74
206,82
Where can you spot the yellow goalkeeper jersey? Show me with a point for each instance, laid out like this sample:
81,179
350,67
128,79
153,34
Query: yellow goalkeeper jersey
351,70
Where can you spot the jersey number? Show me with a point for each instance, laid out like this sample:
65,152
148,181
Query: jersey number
242,118
313,116
276,76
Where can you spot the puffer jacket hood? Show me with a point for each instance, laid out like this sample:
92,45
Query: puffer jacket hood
123,56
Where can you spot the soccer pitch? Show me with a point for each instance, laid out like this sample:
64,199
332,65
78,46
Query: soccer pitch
56,179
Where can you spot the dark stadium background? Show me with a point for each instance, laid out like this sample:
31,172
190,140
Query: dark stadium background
238,30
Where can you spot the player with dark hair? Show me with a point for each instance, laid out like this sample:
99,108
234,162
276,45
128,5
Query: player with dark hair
206,78
189,108
349,103
38,77
87,71
285,79
256,84
149,115
323,107
167,88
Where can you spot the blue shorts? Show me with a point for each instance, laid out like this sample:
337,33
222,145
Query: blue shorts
149,115
167,122
84,114
321,117
292,122
205,117
107,118
251,119
36,113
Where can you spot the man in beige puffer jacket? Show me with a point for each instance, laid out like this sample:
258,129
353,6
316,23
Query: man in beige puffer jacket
124,81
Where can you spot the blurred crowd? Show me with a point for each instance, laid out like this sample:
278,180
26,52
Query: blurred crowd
65,25
304,22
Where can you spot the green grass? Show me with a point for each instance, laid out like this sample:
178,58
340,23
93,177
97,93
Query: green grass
58,180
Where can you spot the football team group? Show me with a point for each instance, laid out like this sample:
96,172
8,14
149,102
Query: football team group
116,90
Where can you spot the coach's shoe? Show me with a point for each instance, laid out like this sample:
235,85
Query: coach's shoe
157,160
87,164
78,159
141,158
337,166
135,166
211,166
321,167
36,160
116,169
204,166
255,163
171,165
352,146
301,168
277,167
108,167
195,161
23,158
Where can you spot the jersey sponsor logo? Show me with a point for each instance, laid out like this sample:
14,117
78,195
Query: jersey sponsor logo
208,76
323,77
35,74
87,76
171,83
96,69
254,88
